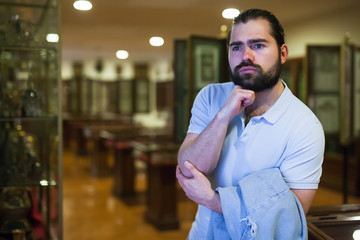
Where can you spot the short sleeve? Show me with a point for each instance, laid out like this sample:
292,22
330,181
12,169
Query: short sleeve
200,112
207,104
302,169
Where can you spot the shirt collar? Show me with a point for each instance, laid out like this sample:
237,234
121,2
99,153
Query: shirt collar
278,109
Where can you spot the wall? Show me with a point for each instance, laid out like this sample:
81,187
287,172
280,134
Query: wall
329,29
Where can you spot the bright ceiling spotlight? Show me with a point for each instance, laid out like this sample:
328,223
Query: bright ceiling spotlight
122,54
82,5
356,234
230,13
156,41
52,37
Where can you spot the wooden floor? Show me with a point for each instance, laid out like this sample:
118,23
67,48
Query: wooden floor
90,212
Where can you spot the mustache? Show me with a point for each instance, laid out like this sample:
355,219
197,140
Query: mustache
247,63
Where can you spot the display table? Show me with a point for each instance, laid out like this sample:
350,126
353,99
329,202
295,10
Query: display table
124,167
100,166
160,156
76,127
333,222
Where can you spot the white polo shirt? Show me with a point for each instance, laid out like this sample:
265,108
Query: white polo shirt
287,136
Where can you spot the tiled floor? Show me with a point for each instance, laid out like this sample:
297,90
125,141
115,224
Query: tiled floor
90,212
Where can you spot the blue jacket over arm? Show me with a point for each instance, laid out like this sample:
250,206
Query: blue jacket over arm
261,206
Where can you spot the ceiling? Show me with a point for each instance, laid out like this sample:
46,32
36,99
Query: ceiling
128,24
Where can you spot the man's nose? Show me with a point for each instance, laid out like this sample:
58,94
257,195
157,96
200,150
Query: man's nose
248,54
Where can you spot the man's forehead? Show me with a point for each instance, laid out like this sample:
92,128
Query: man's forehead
259,28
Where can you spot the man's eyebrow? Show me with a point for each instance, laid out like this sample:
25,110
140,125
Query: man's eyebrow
251,41
257,40
237,43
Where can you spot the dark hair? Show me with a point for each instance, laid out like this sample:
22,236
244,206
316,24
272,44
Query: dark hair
277,30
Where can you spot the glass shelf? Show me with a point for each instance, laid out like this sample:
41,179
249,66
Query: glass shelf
27,48
25,3
26,119
38,183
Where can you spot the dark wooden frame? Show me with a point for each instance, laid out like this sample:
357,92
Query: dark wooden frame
181,93
295,79
341,150
221,74
186,68
318,62
312,70
356,92
165,96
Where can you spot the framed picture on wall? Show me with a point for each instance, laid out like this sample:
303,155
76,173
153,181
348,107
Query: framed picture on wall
207,63
327,109
323,64
324,68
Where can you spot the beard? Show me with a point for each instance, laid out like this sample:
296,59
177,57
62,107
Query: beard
260,80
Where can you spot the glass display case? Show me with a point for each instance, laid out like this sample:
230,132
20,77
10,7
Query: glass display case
30,150
199,61
332,93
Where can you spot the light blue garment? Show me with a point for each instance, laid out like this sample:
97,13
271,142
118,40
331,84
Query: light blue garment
288,136
261,206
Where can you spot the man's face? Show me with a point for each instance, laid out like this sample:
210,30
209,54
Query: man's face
254,57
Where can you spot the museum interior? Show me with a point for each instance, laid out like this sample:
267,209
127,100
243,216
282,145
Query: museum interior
96,101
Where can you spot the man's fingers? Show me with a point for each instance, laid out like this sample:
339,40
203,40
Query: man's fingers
179,175
248,100
191,168
246,96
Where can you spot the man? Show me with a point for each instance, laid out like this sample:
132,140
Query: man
252,124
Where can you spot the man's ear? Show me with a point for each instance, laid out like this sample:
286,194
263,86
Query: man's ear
284,52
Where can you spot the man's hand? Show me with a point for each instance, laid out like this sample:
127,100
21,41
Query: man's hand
198,188
237,101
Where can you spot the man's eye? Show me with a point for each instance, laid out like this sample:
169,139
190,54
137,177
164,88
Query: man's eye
258,46
236,48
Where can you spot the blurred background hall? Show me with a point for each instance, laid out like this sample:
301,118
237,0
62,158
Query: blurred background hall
95,103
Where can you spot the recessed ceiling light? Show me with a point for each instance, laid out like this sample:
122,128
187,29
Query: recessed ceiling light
156,41
356,234
230,13
122,54
52,37
82,5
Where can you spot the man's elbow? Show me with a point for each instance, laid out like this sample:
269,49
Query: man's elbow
305,196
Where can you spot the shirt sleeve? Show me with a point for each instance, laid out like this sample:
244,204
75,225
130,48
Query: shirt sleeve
200,113
302,167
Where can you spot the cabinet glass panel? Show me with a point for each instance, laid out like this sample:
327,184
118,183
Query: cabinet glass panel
30,155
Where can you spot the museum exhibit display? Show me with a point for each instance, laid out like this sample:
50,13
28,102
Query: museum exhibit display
332,73
30,150
199,61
